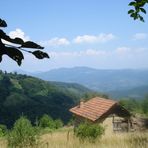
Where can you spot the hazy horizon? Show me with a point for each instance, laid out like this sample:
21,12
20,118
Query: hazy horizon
26,71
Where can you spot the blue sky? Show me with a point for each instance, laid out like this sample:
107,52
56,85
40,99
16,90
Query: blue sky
92,33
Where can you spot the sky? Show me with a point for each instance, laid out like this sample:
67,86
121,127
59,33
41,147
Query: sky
92,33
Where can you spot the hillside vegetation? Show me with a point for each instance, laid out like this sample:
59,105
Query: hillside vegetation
26,95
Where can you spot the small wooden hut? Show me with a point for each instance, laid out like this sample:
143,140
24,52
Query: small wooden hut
97,109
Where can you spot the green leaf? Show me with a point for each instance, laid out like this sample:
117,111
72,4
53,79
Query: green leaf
130,11
3,23
143,10
141,18
30,44
40,55
136,16
132,3
141,3
133,15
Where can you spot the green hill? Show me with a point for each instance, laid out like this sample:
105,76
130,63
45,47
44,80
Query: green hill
136,93
32,97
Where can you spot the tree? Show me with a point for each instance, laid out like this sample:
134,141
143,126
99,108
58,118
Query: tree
15,52
23,134
138,8
145,105
131,105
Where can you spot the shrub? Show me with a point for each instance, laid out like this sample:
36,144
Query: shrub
23,134
90,132
46,121
3,130
58,123
1,133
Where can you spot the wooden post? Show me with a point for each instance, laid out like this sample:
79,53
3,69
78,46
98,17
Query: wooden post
113,121
128,122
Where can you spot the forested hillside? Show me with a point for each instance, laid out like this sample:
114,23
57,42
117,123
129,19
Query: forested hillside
26,95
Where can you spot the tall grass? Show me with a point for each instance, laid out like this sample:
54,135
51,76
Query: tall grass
64,138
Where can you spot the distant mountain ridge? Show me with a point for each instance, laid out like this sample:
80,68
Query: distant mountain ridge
115,83
102,80
96,77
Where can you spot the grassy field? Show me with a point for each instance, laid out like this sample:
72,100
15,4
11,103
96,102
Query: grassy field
64,138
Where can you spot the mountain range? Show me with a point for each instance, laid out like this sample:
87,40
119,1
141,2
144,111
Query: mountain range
114,82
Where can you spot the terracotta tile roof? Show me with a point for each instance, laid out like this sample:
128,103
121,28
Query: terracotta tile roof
94,108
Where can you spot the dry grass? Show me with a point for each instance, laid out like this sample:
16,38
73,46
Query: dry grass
65,139
3,143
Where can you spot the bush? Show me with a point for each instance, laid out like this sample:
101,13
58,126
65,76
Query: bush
46,121
23,134
90,132
3,130
58,123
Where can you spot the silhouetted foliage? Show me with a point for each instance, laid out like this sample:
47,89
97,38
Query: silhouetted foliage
15,52
138,8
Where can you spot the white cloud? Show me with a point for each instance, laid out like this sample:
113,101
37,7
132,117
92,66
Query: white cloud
101,38
92,52
118,52
19,33
140,36
123,50
55,42
129,52
88,52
